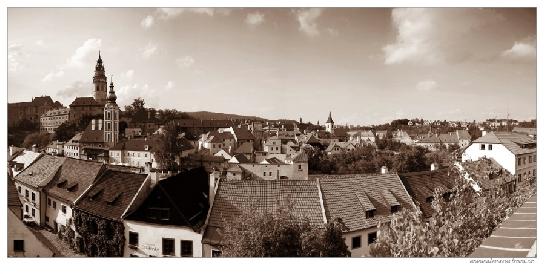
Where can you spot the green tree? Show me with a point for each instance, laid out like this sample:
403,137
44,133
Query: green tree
281,234
166,147
65,131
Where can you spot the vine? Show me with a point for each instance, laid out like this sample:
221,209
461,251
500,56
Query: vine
109,239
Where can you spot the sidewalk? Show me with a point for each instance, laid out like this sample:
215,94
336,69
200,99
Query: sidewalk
516,237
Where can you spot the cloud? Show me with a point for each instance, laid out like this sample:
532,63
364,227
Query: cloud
85,53
431,36
15,52
147,22
52,75
185,62
521,51
149,50
39,43
169,85
255,19
75,89
168,13
129,74
426,85
126,95
307,21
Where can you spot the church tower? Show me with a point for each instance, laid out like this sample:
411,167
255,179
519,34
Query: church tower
329,124
111,118
100,82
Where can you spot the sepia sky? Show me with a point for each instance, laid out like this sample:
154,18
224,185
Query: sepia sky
366,65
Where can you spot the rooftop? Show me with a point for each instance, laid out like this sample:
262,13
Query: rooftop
75,176
41,172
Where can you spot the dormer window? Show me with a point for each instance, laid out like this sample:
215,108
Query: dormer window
395,208
429,200
370,214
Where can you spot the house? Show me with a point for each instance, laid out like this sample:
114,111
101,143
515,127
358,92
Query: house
422,186
132,132
32,185
72,148
30,111
72,180
170,221
214,141
362,201
432,143
21,241
92,144
23,159
246,148
293,167
239,159
243,136
464,138
135,152
85,107
402,137
489,175
530,131
273,145
55,148
52,119
381,134
339,147
224,154
361,137
99,212
513,151
234,172
233,197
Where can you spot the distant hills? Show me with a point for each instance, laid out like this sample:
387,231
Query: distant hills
207,115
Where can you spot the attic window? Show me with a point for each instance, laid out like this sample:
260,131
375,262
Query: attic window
62,183
370,214
429,200
72,187
95,193
394,208
158,214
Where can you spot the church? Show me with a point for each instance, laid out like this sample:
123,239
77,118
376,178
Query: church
101,134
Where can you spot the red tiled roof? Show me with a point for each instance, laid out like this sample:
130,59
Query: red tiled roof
41,172
349,197
112,194
233,197
75,176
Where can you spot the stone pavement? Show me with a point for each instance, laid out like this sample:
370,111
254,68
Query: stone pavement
515,237
59,248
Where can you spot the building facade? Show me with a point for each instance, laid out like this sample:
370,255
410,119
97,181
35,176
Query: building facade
52,119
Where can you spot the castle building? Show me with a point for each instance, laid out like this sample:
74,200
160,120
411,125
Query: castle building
100,82
111,118
329,124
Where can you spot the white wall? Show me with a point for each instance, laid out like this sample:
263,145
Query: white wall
150,238
273,172
18,231
56,215
362,251
499,153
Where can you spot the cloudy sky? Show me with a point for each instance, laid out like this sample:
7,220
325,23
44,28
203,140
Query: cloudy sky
366,65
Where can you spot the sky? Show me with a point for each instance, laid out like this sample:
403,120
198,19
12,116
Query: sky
365,65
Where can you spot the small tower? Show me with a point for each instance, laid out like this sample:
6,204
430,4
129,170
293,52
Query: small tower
100,82
329,124
111,118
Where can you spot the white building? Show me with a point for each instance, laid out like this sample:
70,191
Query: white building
515,152
52,119
71,148
133,152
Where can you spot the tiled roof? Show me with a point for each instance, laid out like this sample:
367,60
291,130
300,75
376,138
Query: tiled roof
245,148
92,136
517,143
41,172
111,195
233,197
75,176
340,132
463,134
26,158
448,138
430,139
243,134
85,101
349,197
15,152
220,137
526,130
241,158
342,145
422,185
74,140
300,157
184,196
13,195
488,173
137,144
193,123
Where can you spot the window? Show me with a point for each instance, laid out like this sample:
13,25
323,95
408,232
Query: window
216,253
489,147
47,219
63,208
523,160
133,238
264,173
54,204
520,161
168,247
300,167
158,213
520,178
19,189
33,197
483,146
356,242
270,173
371,238
26,208
19,245
530,159
370,213
186,248
26,193
394,208
33,212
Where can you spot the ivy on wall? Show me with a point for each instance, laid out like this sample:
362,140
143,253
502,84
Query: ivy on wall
101,237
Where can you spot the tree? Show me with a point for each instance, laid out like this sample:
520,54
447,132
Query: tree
281,234
41,140
462,220
166,147
65,131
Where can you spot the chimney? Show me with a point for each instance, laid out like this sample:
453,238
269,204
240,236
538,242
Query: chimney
384,170
34,148
434,166
93,124
99,124
212,186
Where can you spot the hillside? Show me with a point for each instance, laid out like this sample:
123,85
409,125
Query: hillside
207,115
